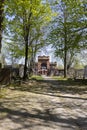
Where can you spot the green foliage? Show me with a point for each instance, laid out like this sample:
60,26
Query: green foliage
68,30
26,18
78,64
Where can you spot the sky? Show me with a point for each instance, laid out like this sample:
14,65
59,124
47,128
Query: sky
47,51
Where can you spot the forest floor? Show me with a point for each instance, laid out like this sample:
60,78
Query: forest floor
44,105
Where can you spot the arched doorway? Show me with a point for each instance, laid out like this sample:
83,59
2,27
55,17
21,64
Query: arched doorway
43,65
44,68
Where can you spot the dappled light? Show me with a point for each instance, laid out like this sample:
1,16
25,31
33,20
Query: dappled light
54,86
43,65
44,104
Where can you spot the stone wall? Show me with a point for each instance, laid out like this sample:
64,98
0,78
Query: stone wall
7,74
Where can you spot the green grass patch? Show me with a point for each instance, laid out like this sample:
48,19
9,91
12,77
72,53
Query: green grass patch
36,77
2,93
59,78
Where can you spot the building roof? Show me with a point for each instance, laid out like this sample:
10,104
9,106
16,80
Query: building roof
43,57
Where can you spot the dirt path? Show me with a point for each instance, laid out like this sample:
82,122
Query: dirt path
45,107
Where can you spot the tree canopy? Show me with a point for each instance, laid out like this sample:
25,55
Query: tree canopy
68,31
27,22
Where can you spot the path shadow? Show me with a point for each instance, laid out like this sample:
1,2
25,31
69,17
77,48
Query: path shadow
54,87
46,117
42,118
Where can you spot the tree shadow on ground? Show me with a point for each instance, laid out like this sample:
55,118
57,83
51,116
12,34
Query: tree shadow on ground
20,111
54,87
42,118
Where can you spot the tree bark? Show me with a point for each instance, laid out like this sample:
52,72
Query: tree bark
26,38
1,20
26,59
65,43
65,63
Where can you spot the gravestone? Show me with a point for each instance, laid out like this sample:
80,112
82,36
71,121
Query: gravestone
85,72
79,74
21,71
5,75
71,73
14,73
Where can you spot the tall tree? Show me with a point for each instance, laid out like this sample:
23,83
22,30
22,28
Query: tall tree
67,31
25,17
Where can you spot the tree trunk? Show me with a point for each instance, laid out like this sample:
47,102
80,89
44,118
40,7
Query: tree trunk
26,59
65,64
26,37
1,20
65,42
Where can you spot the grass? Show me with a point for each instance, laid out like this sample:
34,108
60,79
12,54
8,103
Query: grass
2,92
59,78
36,77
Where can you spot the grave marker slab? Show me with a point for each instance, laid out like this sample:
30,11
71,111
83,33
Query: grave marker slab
21,71
85,72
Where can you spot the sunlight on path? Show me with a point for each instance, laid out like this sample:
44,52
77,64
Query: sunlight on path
23,110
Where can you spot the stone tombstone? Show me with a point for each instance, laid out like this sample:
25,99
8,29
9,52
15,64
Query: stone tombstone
79,73
21,71
71,72
85,72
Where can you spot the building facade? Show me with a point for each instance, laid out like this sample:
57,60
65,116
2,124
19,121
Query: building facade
44,66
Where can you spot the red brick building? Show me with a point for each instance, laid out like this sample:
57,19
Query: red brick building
44,66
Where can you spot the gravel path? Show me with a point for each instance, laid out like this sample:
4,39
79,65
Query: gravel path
32,110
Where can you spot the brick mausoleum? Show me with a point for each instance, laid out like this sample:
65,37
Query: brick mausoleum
44,66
